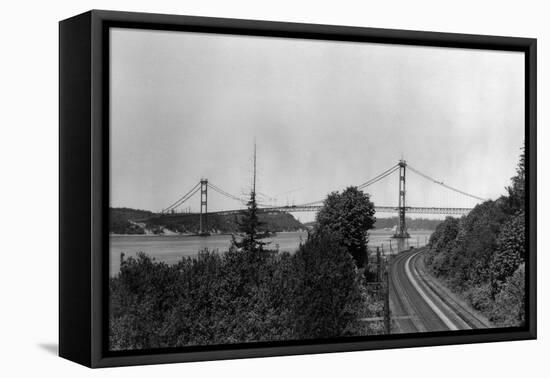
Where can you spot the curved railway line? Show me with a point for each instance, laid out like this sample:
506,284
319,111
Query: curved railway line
420,303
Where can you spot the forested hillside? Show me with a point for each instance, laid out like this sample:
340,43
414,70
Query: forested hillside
131,222
120,220
412,223
189,223
482,255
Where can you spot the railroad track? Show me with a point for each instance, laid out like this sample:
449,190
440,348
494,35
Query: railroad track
420,303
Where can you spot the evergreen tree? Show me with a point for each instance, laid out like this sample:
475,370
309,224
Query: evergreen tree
510,253
251,229
484,257
515,200
509,309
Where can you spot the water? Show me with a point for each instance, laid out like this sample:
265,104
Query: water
384,240
171,249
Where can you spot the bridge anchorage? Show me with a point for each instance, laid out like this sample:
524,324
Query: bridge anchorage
402,209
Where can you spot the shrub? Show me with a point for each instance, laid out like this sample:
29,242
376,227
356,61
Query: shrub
237,297
480,298
509,309
510,252
328,295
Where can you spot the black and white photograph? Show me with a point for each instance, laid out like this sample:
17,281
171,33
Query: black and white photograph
275,189
210,188
270,189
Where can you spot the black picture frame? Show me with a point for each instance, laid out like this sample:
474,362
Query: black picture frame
84,184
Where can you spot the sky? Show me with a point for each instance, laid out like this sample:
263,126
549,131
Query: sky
324,115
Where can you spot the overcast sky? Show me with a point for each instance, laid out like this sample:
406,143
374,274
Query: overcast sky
325,115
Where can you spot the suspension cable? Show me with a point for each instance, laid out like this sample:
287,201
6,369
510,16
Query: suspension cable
311,203
226,194
381,176
183,198
373,180
234,197
181,201
444,185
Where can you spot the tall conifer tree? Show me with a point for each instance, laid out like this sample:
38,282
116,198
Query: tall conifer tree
251,229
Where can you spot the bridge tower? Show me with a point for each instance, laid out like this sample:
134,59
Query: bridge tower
203,218
401,231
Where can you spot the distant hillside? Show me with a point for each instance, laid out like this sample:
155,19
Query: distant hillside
120,220
129,221
413,224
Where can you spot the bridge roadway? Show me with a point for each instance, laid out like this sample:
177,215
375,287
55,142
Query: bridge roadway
419,303
381,209
314,208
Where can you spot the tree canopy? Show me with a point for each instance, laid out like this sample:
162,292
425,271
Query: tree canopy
349,215
251,235
515,198
482,255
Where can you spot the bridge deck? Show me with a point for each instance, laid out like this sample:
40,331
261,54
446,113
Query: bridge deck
314,208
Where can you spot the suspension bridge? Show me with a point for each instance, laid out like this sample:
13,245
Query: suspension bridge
401,209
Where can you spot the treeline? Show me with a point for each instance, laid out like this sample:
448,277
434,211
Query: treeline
189,223
482,255
412,223
237,297
121,220
251,293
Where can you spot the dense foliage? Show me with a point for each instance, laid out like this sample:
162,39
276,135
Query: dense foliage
121,220
515,198
350,215
482,254
247,294
239,296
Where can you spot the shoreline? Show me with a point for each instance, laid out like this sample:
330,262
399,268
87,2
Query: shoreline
375,231
197,235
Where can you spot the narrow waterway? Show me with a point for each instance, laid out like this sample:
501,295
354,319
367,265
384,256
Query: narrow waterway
171,249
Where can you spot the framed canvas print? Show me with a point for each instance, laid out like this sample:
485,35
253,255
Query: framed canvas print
234,188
